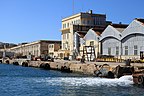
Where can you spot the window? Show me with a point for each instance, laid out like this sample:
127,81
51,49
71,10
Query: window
64,25
83,21
67,35
135,50
79,22
63,45
109,51
126,50
64,36
51,46
91,43
67,24
88,22
117,50
74,22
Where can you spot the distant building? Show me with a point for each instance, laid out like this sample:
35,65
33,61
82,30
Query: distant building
37,48
6,45
79,22
4,53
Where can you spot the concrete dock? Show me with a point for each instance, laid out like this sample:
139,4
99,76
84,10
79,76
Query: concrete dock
88,68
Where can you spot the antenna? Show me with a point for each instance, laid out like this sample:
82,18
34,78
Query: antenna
73,7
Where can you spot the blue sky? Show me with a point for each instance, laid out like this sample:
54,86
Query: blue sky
31,20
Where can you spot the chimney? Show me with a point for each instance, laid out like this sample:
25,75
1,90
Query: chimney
90,12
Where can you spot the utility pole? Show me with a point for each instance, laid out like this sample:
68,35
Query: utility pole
4,53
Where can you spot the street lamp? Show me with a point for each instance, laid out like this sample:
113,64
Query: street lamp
98,47
120,46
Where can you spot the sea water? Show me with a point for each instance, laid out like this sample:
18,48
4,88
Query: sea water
26,81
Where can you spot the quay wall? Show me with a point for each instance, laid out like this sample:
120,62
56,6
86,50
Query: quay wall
74,66
83,68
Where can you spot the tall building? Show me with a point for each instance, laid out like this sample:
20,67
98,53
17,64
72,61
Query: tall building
79,22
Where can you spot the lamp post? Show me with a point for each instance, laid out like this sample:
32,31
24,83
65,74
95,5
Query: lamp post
121,48
98,48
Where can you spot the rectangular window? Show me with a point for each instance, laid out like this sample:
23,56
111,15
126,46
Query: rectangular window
63,45
63,26
63,36
83,21
88,21
67,35
67,24
135,50
109,51
117,50
126,50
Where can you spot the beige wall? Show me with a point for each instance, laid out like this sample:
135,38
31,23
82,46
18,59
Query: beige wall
87,43
96,46
26,49
36,48
68,29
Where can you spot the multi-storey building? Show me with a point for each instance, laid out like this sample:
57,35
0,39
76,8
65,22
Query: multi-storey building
37,48
78,22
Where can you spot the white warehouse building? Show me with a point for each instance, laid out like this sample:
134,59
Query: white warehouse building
123,41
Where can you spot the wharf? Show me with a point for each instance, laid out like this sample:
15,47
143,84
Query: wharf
88,68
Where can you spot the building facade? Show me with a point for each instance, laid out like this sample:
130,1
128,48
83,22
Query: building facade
133,39
111,40
37,48
122,41
79,22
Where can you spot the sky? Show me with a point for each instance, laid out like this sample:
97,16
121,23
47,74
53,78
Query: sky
32,20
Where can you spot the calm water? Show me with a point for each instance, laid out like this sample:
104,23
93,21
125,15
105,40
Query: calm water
22,81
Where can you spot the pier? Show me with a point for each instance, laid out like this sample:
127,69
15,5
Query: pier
89,68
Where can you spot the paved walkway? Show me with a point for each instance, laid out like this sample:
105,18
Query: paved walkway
113,64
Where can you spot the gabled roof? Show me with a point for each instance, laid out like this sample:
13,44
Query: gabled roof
98,31
135,27
112,31
119,27
82,33
140,20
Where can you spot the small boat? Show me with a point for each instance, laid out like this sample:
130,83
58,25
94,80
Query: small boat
138,77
